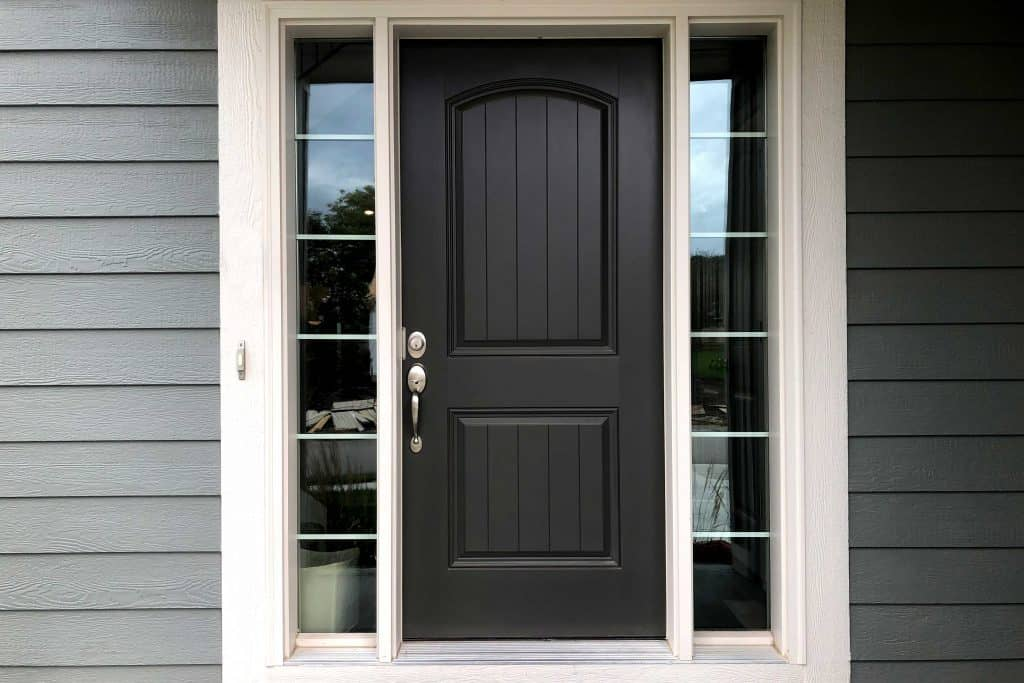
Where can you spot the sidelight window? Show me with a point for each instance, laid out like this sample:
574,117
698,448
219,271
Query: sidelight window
335,341
729,393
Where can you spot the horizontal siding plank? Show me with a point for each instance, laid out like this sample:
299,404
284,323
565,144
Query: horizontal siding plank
933,21
112,674
114,637
109,525
936,408
185,413
939,72
83,189
934,240
939,520
108,77
933,463
182,244
113,468
81,357
935,296
933,128
108,301
936,576
938,672
109,25
109,134
110,581
935,184
937,632
922,352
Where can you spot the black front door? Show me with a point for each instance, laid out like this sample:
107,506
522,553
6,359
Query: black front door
531,219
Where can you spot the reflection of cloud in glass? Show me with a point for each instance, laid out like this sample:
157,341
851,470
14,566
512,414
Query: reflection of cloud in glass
710,106
709,184
334,168
340,108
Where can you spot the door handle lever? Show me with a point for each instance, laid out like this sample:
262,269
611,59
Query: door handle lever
417,381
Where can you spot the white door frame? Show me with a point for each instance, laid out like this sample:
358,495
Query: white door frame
257,488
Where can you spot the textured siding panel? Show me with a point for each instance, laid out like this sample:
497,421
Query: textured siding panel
937,520
933,21
109,25
108,245
935,98
114,413
34,302
939,672
930,129
935,184
163,77
112,674
936,352
934,72
934,240
110,581
109,468
109,189
927,576
109,409
931,463
110,525
937,632
108,357
125,637
935,296
109,134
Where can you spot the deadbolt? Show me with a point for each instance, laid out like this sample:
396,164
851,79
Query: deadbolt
417,344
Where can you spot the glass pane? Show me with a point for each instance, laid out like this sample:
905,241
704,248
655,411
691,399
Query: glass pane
728,392
730,583
727,282
336,186
730,484
727,185
338,486
337,586
727,85
338,387
337,287
334,88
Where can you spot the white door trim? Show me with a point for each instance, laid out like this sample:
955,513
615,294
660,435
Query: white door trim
811,625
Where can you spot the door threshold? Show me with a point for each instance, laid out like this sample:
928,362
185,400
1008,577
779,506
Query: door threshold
610,651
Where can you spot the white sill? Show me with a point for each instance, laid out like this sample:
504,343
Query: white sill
534,652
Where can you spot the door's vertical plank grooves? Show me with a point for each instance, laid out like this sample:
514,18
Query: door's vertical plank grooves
564,493
472,229
531,219
547,462
592,285
502,493
473,512
501,217
562,204
533,487
593,499
579,283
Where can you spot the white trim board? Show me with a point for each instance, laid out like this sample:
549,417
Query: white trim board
258,595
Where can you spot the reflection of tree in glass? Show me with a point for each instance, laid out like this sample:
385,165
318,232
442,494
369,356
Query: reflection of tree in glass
350,214
338,279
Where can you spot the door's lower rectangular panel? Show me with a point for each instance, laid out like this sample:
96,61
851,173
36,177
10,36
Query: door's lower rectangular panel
533,488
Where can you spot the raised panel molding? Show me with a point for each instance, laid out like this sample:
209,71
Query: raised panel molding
533,189
562,507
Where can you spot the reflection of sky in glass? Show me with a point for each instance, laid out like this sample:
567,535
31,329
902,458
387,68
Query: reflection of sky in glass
707,246
340,108
334,167
709,184
710,106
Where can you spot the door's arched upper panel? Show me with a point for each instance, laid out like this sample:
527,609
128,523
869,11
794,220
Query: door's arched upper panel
531,215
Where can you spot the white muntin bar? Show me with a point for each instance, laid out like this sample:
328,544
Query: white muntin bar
336,537
728,335
308,336
334,136
352,238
